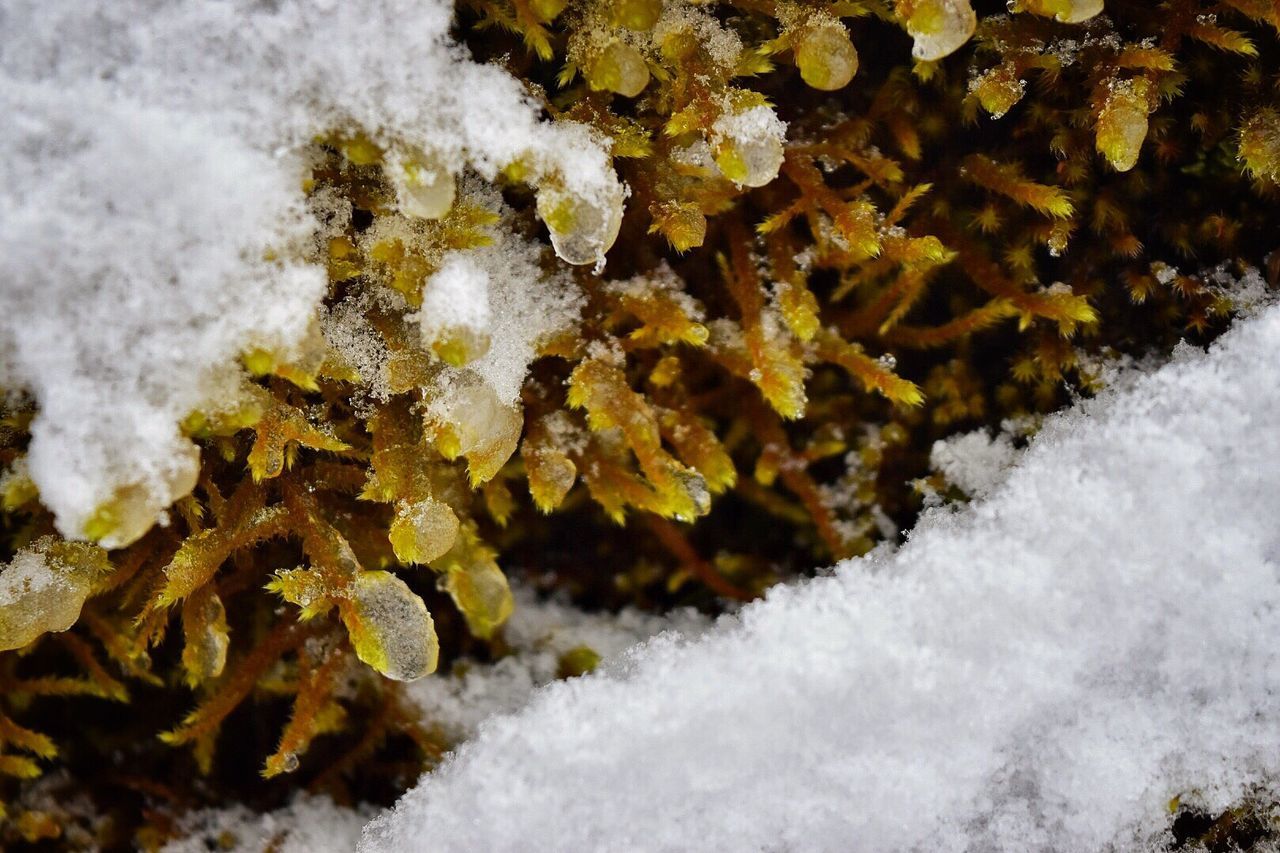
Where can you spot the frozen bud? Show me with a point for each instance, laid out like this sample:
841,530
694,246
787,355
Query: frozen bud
748,145
481,592
16,487
1260,144
390,627
1122,122
618,67
469,420
582,229
424,187
999,89
682,223
637,14
939,27
44,586
826,57
455,314
1066,11
423,531
205,637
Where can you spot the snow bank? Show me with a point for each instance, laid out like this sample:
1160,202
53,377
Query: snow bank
1044,669
151,211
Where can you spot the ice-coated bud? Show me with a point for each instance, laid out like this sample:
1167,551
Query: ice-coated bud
939,27
999,89
619,68
748,146
1066,11
423,531
44,586
1122,123
582,229
424,187
481,592
390,627
826,57
132,509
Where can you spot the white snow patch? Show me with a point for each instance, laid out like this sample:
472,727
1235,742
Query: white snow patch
456,296
523,305
974,462
1043,669
539,633
150,170
310,824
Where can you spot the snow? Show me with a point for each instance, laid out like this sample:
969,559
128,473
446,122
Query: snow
974,462
1042,669
151,213
499,291
310,824
539,634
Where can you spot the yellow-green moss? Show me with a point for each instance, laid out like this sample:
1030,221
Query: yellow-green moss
749,394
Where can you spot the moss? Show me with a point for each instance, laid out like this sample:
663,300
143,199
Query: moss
941,242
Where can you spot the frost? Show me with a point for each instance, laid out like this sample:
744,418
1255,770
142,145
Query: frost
722,45
974,462
151,214
1246,294
1045,669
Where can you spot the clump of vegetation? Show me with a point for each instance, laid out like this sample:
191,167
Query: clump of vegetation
853,228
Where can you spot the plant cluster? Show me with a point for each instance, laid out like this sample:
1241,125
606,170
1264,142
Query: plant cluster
853,228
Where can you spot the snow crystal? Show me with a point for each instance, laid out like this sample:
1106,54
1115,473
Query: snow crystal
503,289
721,44
974,462
1245,293
1044,669
457,295
310,824
151,215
